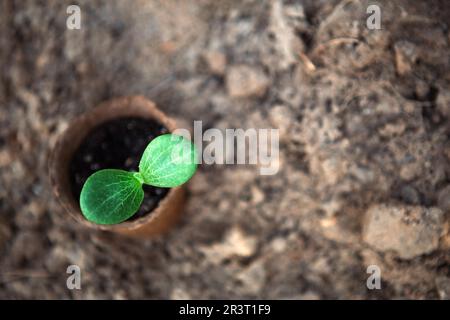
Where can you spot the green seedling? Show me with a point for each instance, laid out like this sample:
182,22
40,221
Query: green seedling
111,196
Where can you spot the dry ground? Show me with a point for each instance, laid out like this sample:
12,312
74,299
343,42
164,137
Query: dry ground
364,126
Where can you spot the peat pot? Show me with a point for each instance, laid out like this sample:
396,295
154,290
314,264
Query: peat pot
114,135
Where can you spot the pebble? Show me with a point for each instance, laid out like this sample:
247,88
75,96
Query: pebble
281,118
235,244
215,61
245,81
405,56
410,231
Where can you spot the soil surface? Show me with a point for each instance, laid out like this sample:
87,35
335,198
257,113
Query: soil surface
117,144
364,120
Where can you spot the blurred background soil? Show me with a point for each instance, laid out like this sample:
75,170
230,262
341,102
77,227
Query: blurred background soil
364,146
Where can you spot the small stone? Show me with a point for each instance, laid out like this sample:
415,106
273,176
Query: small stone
423,90
286,43
410,170
279,244
392,129
257,195
6,158
281,118
239,243
30,99
235,244
405,56
179,294
244,81
120,295
215,61
410,195
331,169
443,103
410,231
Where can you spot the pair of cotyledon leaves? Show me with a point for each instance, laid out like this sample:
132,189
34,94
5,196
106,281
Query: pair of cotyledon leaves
112,196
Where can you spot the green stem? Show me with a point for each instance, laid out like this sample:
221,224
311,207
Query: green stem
138,177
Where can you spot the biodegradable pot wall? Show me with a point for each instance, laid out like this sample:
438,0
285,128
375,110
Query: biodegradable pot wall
169,208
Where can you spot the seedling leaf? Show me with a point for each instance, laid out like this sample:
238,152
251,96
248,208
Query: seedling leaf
111,196
168,161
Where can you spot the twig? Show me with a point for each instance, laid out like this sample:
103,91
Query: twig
310,67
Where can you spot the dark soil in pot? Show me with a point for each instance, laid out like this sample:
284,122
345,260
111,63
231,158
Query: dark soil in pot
117,144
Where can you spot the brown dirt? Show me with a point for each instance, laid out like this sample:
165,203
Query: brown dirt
364,123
